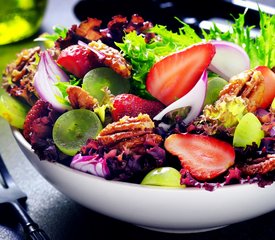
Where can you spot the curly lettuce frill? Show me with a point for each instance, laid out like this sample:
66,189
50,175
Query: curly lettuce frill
225,113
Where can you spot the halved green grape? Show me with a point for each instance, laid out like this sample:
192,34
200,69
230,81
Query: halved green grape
214,86
97,79
248,130
163,176
72,129
12,109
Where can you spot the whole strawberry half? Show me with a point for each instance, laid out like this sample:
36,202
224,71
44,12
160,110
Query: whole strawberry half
175,75
203,156
131,105
77,60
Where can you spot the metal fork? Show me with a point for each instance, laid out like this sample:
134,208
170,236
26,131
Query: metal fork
13,195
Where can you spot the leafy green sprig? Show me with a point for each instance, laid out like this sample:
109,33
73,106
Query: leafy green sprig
260,49
143,55
49,39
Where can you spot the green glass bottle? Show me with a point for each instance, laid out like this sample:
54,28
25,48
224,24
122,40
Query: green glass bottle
20,19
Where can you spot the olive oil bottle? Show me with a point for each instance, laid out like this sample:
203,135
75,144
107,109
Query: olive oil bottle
20,19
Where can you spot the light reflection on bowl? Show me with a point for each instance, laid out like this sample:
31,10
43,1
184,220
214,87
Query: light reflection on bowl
156,208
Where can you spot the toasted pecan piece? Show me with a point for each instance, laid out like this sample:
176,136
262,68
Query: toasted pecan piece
18,76
138,142
249,85
141,122
89,29
112,58
121,136
262,167
129,133
79,98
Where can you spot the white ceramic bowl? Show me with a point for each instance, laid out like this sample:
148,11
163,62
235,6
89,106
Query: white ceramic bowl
156,208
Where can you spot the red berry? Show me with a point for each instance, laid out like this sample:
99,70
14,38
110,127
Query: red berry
131,105
203,156
175,75
77,60
269,83
40,110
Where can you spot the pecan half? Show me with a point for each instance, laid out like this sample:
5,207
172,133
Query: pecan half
140,123
79,98
18,76
112,58
262,167
115,138
249,85
129,133
89,29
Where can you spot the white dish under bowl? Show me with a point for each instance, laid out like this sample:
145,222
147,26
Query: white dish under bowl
157,208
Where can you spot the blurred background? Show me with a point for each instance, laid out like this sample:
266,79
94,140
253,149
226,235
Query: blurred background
23,20
195,13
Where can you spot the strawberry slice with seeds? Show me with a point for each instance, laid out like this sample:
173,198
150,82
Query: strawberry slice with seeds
203,156
175,75
126,104
77,60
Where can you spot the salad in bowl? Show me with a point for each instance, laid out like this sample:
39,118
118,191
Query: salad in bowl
135,102
176,127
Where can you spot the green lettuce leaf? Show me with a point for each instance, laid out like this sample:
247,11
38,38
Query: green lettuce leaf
260,49
49,39
143,55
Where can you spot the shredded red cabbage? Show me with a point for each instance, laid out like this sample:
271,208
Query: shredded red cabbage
119,165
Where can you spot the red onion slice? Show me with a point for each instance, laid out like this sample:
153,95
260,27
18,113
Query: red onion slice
92,164
99,55
47,75
230,59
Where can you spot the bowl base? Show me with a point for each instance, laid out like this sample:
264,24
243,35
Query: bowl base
181,231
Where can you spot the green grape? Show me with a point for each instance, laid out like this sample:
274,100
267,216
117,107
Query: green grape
215,85
97,79
12,109
72,129
248,130
163,176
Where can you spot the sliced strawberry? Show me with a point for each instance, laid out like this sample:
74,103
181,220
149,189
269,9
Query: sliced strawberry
269,83
203,156
77,60
175,75
131,105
